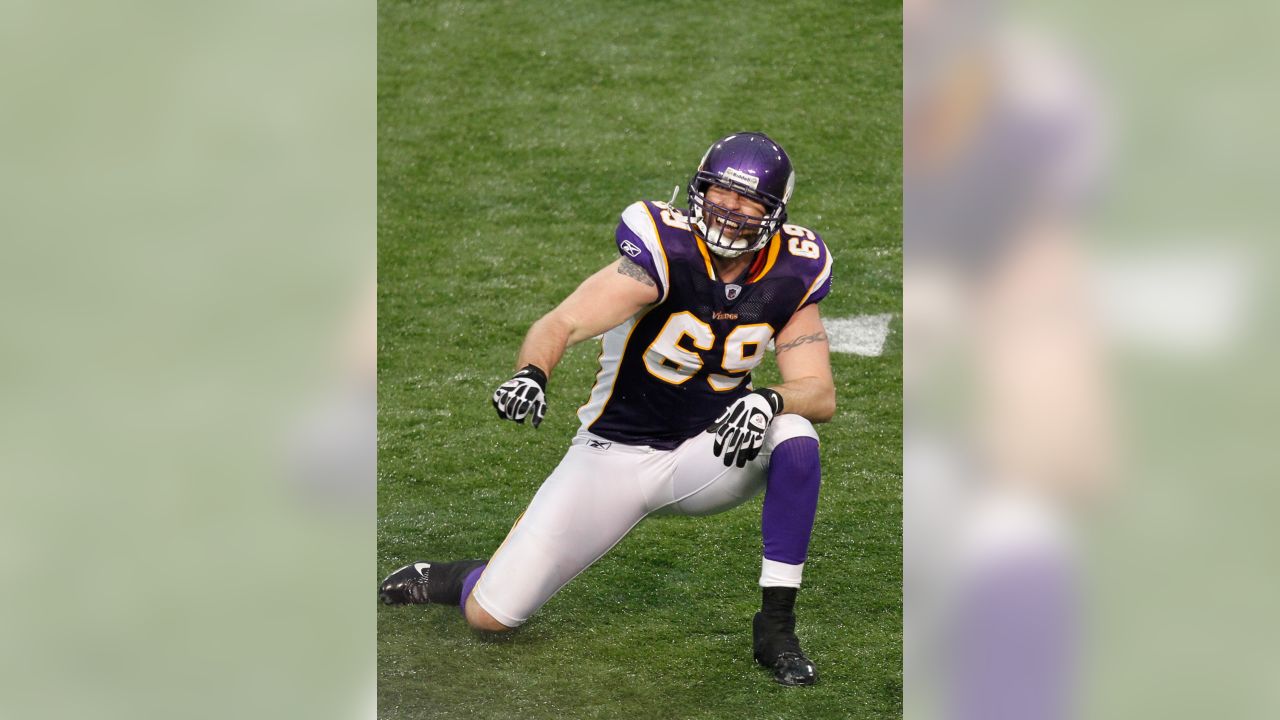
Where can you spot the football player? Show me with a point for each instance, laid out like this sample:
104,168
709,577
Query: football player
673,423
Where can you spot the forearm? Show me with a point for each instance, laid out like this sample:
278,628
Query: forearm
545,343
812,398
808,389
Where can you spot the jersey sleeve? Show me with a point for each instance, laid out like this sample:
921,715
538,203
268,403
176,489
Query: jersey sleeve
638,241
819,275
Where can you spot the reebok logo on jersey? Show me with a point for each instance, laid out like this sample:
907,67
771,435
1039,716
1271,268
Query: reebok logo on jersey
741,178
630,248
599,444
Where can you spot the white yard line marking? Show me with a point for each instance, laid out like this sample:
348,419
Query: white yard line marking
859,335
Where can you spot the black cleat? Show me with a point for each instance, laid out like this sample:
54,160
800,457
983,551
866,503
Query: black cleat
405,586
426,582
777,648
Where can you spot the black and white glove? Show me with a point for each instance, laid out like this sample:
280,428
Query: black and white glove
740,430
524,395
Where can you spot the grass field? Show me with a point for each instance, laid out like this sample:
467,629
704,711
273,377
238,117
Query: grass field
511,135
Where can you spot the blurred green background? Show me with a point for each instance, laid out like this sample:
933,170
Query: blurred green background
188,227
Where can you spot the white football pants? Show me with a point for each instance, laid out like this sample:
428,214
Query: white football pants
601,490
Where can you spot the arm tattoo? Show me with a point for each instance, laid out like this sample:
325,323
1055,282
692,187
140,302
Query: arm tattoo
802,340
635,272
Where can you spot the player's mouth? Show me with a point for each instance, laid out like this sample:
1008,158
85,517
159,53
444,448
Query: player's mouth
728,228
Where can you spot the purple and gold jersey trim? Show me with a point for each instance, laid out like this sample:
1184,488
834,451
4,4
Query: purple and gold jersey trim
821,285
761,267
771,256
706,257
612,345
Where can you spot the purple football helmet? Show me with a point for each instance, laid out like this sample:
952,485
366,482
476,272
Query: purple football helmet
753,166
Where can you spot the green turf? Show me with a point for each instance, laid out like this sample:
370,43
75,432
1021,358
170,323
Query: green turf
511,135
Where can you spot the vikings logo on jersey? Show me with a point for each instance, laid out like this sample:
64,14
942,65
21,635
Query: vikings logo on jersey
667,373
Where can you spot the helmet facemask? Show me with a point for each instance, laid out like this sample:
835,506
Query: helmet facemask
716,224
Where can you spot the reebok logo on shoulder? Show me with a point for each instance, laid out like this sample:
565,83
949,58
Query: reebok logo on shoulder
599,444
630,248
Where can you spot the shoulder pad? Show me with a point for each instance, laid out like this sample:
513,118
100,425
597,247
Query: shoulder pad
638,240
809,255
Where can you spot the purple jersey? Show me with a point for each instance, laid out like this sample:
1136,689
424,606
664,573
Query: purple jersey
668,372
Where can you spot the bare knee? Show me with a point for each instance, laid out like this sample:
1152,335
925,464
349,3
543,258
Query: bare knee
480,619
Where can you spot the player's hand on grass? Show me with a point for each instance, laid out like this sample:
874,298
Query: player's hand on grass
523,396
740,430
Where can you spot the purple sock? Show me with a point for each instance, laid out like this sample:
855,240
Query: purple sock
791,500
468,585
